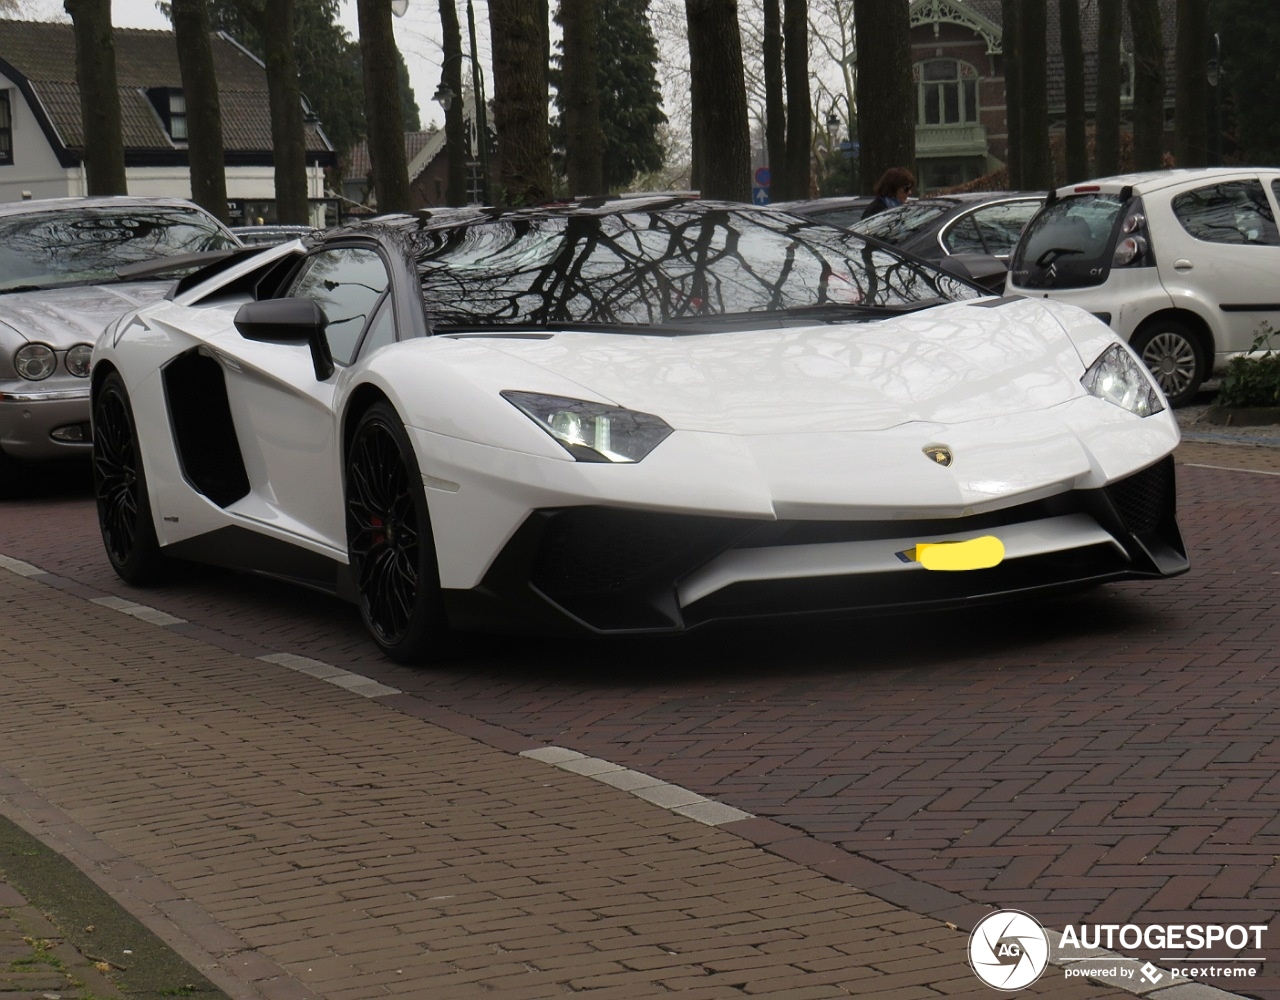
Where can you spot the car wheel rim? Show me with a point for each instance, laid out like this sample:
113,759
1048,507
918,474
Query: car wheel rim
115,468
1172,360
383,532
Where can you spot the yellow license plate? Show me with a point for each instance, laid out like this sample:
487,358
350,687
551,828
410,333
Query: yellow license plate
975,553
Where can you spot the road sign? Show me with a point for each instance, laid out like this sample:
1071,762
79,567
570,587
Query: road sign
763,177
760,195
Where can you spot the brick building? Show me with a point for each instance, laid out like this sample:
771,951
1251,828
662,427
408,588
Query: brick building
958,68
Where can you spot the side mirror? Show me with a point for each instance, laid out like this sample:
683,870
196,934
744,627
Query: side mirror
288,321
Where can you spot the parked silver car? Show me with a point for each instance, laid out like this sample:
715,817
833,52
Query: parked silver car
68,267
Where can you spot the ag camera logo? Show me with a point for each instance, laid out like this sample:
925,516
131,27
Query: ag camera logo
1008,950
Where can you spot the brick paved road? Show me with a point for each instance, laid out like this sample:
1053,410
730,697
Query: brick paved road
1107,758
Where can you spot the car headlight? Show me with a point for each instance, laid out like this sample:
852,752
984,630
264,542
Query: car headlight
35,361
1120,378
592,432
78,360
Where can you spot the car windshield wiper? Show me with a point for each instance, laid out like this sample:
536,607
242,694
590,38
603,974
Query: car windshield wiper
22,288
1053,253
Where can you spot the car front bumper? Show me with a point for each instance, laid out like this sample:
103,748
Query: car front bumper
41,422
603,569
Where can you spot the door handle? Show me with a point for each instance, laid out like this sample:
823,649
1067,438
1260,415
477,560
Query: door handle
1182,264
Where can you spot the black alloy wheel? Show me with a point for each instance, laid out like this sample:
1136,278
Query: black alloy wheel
389,540
120,488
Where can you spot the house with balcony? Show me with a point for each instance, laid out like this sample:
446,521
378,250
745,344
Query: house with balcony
957,64
42,138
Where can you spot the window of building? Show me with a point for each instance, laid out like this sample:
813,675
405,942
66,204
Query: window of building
475,184
946,92
177,116
171,106
6,128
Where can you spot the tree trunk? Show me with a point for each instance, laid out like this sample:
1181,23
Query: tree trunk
1106,150
775,108
583,133
103,151
1011,35
1037,165
720,125
1148,84
287,138
204,111
1191,100
886,94
384,114
795,39
521,53
455,127
1077,150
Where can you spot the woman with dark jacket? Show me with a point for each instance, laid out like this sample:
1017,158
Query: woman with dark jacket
891,190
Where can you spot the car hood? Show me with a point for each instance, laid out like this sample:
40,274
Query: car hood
988,358
63,317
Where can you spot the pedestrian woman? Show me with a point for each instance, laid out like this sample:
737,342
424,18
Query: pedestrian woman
891,190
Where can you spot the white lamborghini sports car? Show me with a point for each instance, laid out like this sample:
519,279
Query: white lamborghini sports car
628,416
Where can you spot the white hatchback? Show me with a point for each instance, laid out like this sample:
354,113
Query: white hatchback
1184,264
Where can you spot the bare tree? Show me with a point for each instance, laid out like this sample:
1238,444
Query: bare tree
1107,99
103,150
581,94
204,110
775,107
1191,100
1037,167
886,105
384,115
1148,84
795,42
521,54
721,136
1077,150
455,142
288,140
1011,33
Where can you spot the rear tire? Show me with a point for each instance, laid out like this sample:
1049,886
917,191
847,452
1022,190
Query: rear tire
120,488
389,541
1174,356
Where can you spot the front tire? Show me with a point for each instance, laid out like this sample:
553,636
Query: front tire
1174,356
389,540
120,488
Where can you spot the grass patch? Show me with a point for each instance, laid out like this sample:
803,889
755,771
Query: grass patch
131,957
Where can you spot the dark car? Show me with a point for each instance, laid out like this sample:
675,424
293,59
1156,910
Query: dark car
841,210
68,267
970,234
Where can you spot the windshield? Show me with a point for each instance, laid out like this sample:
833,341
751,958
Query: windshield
1068,245
897,225
77,246
672,266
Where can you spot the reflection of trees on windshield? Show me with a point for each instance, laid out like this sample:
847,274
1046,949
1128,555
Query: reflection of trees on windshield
658,265
72,245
